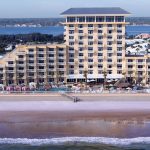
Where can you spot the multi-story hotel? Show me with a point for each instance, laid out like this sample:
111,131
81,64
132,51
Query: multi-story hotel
95,44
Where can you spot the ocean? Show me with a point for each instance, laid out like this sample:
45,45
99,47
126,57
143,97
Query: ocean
21,133
56,30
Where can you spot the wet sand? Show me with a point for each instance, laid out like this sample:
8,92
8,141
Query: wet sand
86,124
56,116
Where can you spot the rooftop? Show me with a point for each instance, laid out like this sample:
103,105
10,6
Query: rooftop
94,11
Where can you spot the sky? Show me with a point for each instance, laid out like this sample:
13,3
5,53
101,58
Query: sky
53,8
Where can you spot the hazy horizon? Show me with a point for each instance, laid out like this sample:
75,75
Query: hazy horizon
52,9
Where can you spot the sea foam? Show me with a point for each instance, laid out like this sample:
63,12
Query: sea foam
63,140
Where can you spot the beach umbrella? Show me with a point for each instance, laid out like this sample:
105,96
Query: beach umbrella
128,88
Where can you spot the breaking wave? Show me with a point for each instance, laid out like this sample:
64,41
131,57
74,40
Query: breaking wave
66,140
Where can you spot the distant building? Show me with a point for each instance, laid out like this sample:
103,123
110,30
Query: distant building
143,36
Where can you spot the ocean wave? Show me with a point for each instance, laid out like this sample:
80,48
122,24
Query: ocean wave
64,140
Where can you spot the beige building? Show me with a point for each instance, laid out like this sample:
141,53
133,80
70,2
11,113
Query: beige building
34,63
95,43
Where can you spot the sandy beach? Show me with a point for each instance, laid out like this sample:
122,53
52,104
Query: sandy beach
56,115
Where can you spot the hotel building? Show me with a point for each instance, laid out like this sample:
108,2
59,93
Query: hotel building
94,43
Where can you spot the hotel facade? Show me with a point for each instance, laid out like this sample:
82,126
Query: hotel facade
94,44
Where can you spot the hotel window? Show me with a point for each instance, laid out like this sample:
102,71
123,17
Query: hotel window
80,31
41,61
61,61
61,55
119,18
71,25
80,72
31,67
100,19
81,37
109,31
80,43
90,66
80,26
90,37
109,25
71,60
71,72
109,43
81,19
71,66
51,55
80,49
81,66
100,60
119,31
130,66
71,19
90,19
90,48
31,50
140,60
119,72
119,25
100,31
90,31
81,60
100,54
80,54
90,71
109,54
51,49
119,37
71,31
41,55
119,60
100,43
100,37
41,50
90,54
109,48
119,66
10,62
109,60
109,66
100,66
109,71
90,60
109,37
20,56
109,18
71,43
119,54
71,37
100,48
119,42
51,61
90,25
100,72
119,49
100,26
71,48
90,43
130,60
71,55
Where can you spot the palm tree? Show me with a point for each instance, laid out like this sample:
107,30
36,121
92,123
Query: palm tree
105,76
85,76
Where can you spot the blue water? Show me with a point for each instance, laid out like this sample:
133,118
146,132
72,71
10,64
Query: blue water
56,30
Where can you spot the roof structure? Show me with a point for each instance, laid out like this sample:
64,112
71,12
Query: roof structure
94,11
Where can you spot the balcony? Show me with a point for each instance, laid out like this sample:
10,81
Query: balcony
31,70
10,71
41,58
41,64
21,71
